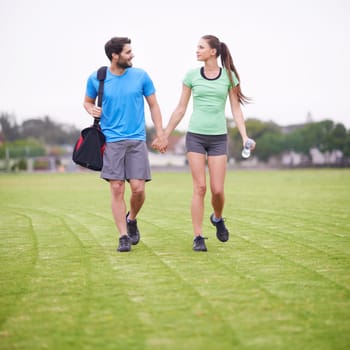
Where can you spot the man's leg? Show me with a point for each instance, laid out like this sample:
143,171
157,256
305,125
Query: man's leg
136,201
119,211
138,171
118,204
137,197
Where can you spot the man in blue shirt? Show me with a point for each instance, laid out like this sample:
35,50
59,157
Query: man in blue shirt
122,121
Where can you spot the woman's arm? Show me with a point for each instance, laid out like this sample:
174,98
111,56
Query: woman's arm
179,111
238,115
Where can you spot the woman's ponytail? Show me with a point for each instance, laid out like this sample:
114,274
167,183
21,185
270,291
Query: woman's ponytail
227,63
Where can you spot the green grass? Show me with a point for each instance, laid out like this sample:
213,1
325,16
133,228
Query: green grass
282,281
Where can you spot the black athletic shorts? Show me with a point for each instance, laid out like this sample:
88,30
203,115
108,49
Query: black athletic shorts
212,145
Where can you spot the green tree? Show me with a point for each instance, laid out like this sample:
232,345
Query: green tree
9,127
267,135
323,135
346,148
22,149
269,144
338,137
49,132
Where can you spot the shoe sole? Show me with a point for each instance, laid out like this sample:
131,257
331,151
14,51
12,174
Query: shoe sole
134,242
222,239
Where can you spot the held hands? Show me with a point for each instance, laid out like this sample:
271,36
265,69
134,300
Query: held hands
160,143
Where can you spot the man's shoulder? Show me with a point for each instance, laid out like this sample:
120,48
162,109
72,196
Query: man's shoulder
93,75
138,74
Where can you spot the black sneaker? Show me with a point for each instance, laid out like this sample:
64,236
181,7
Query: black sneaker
124,244
132,230
221,230
199,244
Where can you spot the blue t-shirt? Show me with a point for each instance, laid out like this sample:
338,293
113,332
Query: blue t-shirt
123,115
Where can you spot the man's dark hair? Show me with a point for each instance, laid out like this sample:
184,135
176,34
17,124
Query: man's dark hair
115,45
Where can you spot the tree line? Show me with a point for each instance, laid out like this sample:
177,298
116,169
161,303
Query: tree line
274,140
33,136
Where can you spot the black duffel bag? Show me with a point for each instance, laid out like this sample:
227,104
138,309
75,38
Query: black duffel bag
89,148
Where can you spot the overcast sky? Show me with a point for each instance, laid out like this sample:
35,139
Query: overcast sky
293,56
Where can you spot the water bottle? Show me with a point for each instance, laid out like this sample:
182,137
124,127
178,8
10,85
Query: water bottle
247,148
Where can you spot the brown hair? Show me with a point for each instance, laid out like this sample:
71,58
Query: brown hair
227,62
115,45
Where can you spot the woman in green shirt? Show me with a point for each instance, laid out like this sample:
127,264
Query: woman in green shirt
206,138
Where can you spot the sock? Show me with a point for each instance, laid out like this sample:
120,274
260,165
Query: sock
215,219
129,220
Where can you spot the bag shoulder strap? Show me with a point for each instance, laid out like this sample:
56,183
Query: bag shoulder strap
101,76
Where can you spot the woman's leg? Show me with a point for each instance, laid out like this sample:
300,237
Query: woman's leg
217,172
197,166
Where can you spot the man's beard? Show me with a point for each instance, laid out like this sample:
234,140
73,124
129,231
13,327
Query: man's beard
124,65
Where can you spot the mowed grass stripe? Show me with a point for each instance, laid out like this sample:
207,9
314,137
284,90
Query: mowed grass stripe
174,310
276,266
322,260
72,290
301,223
276,222
173,301
295,287
18,257
206,272
329,267
310,235
52,287
239,297
245,294
178,249
112,316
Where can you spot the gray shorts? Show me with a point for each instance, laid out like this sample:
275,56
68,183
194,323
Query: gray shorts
126,160
213,145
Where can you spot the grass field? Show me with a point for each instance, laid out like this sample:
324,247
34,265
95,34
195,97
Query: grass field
282,281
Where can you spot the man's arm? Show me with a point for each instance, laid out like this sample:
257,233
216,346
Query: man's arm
156,116
91,108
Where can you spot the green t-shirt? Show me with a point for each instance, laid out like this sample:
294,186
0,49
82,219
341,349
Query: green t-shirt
209,101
